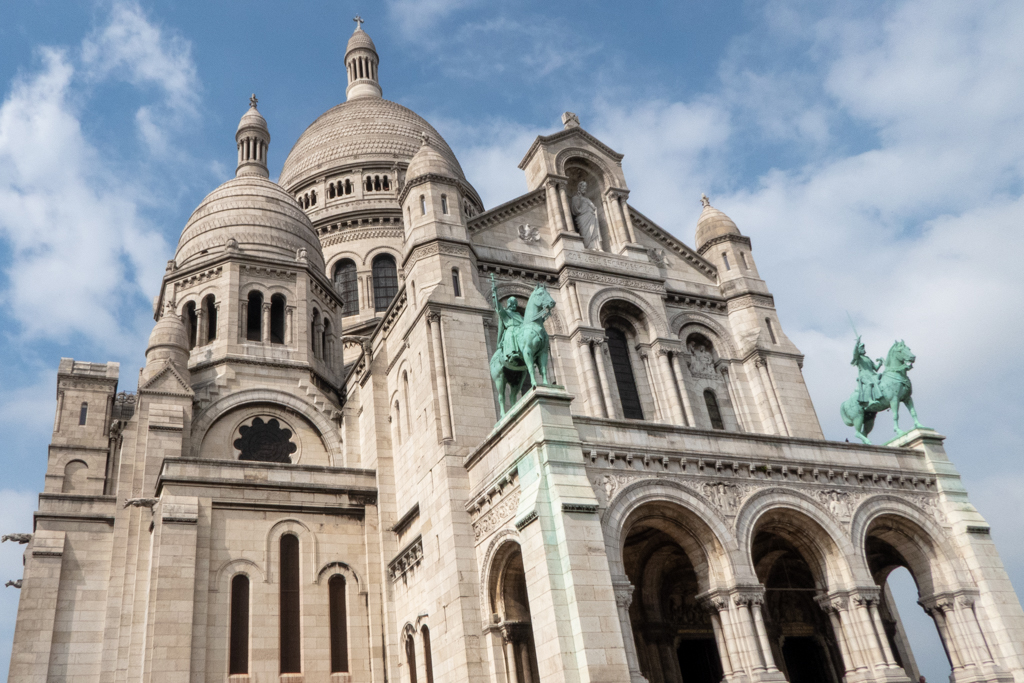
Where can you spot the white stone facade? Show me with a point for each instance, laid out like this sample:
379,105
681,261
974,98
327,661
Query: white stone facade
313,481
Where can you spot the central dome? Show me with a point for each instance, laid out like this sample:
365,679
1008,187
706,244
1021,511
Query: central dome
362,130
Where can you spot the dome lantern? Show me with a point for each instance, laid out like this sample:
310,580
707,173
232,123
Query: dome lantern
253,139
361,62
712,224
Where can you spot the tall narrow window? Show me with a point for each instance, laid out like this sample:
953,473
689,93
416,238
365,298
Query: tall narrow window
725,258
83,413
325,341
771,330
239,644
277,307
369,184
743,260
386,184
348,186
312,197
314,334
428,664
410,656
254,317
192,323
456,285
444,204
618,348
291,642
385,281
713,413
339,624
376,183
330,191
398,423
423,205
210,311
345,284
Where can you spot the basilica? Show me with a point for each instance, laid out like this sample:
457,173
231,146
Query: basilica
315,478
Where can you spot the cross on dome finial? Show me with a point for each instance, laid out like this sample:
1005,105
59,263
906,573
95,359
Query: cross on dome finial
253,101
359,22
704,200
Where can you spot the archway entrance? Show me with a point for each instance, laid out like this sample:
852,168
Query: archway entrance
511,604
674,635
799,632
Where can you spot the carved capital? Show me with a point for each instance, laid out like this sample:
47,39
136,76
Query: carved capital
515,631
434,317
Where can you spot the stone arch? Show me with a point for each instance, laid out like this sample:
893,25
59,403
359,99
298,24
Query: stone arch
657,326
823,542
341,256
711,530
338,567
221,407
368,257
496,549
916,536
309,547
227,571
571,153
706,325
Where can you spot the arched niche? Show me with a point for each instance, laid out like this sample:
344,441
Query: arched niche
265,432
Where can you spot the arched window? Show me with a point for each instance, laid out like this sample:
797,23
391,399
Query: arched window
254,317
210,313
725,258
314,336
312,197
346,285
428,664
348,186
618,349
713,413
398,422
771,330
456,285
376,182
369,184
277,309
339,624
239,642
408,402
291,642
410,656
444,204
330,191
386,184
83,413
423,205
75,474
743,260
385,281
191,323
325,341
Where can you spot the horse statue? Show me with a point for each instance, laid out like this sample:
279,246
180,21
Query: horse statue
876,393
523,344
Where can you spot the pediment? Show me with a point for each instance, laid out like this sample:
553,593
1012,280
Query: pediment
167,382
653,236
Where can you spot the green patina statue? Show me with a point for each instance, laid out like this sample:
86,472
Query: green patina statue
523,343
877,392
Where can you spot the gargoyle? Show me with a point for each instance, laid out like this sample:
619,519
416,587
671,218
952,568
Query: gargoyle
16,584
140,502
17,538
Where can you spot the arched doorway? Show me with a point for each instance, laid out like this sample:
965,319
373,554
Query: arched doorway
510,605
789,562
665,559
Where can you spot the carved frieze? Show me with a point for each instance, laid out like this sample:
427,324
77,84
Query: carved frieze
497,516
197,279
610,280
410,557
748,300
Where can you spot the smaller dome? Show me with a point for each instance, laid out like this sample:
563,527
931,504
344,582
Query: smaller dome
428,160
360,39
168,340
713,223
253,119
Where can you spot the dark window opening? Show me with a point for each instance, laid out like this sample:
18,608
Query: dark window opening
376,183
410,657
618,348
330,191
192,323
348,186
713,413
444,205
428,664
456,285
423,205
277,308
291,643
347,287
725,257
312,197
369,184
83,413
254,317
314,345
239,645
325,341
210,311
385,281
771,330
386,184
339,624
743,260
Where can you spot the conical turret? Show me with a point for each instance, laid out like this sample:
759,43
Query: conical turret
253,139
361,61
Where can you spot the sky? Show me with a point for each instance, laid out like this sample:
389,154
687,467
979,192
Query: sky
873,152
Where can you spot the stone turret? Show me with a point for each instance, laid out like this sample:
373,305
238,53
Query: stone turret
253,139
168,345
361,61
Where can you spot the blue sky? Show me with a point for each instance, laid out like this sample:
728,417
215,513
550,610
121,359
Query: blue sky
874,152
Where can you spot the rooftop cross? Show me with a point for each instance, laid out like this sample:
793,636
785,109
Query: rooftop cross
253,101
359,22
704,200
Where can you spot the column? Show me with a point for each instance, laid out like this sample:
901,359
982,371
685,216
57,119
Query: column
691,417
775,394
602,373
554,208
663,413
849,630
265,329
630,230
862,613
511,659
837,628
732,398
963,640
746,626
756,605
738,653
574,303
289,315
590,379
441,377
244,318
201,323
723,643
772,420
563,199
970,619
936,613
623,599
670,387
876,619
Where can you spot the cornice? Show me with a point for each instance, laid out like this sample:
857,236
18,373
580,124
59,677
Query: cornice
742,239
508,210
564,135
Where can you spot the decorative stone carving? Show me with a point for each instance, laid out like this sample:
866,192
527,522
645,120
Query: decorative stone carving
570,120
658,257
140,502
496,516
529,233
701,362
406,560
17,538
265,442
15,583
838,503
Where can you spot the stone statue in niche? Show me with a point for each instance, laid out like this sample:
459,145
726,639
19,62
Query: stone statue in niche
265,442
584,217
701,363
